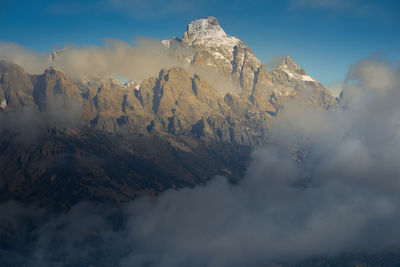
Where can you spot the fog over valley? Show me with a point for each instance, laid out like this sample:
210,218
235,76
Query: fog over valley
192,151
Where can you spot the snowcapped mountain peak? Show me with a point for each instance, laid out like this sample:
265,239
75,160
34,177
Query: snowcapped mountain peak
219,52
288,63
288,69
206,27
207,31
289,66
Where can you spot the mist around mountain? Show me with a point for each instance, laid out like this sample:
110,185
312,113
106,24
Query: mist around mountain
204,159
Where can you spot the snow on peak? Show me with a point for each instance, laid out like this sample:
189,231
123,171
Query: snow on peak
207,27
207,31
307,78
288,63
293,70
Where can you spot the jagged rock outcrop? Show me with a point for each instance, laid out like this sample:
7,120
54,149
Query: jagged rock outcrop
180,101
51,84
16,88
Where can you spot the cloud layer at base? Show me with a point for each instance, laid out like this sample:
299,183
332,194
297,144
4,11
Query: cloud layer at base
327,183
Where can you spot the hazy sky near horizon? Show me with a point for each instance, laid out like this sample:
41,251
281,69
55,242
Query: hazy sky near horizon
323,36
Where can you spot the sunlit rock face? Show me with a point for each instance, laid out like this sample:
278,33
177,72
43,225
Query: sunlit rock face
219,52
289,80
16,88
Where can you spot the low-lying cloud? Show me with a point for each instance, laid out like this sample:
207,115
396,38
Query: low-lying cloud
115,58
119,59
27,123
31,61
328,182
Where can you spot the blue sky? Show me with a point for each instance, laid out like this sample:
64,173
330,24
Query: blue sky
323,36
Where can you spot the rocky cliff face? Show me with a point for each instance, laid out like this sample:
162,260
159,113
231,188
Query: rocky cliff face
16,88
218,52
51,84
289,80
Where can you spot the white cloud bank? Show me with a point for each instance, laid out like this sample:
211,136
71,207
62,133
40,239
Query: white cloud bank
138,62
339,193
328,182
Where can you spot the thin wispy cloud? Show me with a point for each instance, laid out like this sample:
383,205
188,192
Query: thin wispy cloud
142,10
71,8
353,6
152,9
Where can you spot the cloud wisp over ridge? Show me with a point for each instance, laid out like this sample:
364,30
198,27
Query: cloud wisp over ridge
116,57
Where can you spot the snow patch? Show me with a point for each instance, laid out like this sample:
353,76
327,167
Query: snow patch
3,104
287,71
290,74
166,43
283,93
307,78
218,55
135,84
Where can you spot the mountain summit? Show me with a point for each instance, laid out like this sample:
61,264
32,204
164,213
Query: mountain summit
220,53
207,31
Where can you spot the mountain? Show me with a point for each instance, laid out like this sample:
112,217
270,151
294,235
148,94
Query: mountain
65,142
229,57
57,133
